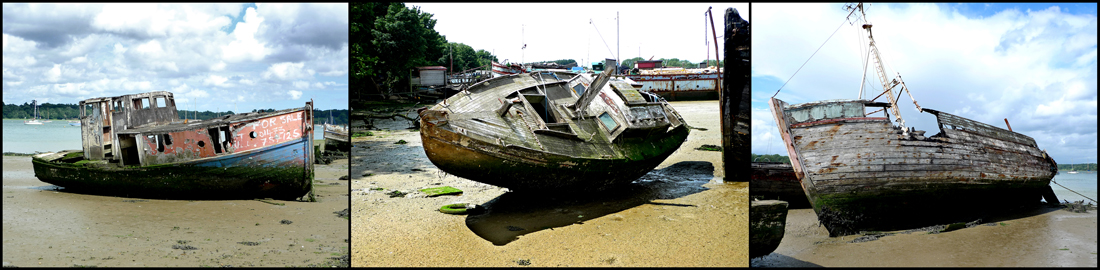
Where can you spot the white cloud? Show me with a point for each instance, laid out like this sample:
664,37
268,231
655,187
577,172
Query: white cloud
70,52
215,80
219,66
245,46
287,71
54,73
150,49
1036,68
119,49
26,61
137,86
301,84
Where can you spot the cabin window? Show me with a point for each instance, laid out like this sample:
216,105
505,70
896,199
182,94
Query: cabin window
608,122
221,139
117,106
159,102
579,88
141,103
215,137
160,143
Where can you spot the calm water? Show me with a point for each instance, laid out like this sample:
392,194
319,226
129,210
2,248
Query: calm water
1084,183
55,136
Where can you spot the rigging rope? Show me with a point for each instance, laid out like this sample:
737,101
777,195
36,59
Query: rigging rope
604,41
811,57
1060,185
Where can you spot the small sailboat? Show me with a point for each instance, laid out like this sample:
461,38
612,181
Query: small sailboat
34,121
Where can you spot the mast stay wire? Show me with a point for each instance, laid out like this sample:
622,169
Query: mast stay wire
812,55
602,39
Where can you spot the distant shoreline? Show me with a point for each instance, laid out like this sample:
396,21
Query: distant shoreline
13,154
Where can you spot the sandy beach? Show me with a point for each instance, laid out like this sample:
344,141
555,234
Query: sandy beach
681,214
47,227
1037,237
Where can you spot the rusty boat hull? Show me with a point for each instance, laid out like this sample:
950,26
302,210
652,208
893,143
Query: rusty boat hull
525,132
777,181
863,173
280,172
336,139
136,145
767,224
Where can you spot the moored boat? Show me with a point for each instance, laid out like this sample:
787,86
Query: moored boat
551,131
137,145
777,181
864,173
500,70
680,83
336,138
767,224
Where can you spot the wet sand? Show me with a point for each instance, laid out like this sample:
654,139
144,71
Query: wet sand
681,214
46,227
1036,237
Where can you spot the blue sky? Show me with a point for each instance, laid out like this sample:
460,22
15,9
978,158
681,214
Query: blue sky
1034,64
214,57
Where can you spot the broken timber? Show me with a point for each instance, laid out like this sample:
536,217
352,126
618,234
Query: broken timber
863,173
137,145
551,131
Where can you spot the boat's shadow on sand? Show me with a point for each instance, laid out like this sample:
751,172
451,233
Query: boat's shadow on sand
513,214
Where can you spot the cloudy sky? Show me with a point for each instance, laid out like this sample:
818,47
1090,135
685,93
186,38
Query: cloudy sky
220,57
555,31
1034,64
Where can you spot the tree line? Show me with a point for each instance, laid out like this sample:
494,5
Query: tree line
771,158
388,40
1077,167
674,62
72,112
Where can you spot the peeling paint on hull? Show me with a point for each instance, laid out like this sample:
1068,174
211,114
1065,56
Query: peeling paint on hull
862,173
549,131
281,171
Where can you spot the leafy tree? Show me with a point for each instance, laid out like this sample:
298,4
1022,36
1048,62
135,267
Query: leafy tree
771,158
402,39
364,60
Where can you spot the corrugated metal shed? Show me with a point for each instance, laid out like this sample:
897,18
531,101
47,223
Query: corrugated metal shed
432,75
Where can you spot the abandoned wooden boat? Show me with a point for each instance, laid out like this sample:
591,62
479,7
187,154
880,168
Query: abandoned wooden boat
866,173
336,138
551,131
137,145
767,224
501,70
777,181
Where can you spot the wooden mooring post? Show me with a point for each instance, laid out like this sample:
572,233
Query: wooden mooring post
733,99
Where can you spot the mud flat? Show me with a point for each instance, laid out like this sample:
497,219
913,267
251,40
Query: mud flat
681,214
44,226
1033,237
